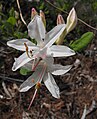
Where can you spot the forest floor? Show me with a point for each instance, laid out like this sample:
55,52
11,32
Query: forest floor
78,89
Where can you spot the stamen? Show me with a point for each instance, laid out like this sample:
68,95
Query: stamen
38,85
27,50
33,98
34,66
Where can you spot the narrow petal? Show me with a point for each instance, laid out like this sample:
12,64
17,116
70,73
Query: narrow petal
59,69
51,85
33,79
54,34
20,61
60,51
36,29
19,44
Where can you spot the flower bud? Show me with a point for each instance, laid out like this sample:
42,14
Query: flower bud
60,19
71,20
70,25
33,13
42,15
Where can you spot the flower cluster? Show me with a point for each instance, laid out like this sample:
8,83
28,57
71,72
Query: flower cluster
40,58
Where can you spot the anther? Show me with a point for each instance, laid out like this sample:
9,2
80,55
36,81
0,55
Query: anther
38,85
27,50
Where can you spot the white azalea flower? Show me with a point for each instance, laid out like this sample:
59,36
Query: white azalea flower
36,30
44,72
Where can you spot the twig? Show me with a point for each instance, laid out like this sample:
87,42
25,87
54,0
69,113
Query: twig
21,13
67,13
10,79
87,24
6,90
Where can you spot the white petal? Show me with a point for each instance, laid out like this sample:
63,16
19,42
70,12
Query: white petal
19,44
20,61
59,69
42,53
60,51
33,79
36,29
52,35
51,85
49,60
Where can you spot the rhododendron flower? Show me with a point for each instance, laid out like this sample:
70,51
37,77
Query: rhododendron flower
70,25
44,47
44,72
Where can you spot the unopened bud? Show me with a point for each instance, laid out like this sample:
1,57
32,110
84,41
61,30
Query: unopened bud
70,25
60,19
60,40
33,13
71,20
42,15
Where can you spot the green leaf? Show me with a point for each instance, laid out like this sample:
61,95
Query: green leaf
7,28
81,43
24,71
12,20
19,35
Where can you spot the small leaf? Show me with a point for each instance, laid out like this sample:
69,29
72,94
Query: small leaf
19,35
12,20
24,71
81,43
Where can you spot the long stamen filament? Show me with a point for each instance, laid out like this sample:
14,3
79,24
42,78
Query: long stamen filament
33,98
34,66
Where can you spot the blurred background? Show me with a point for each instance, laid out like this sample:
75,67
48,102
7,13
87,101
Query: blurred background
11,25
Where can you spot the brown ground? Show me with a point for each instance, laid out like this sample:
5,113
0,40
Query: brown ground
78,89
